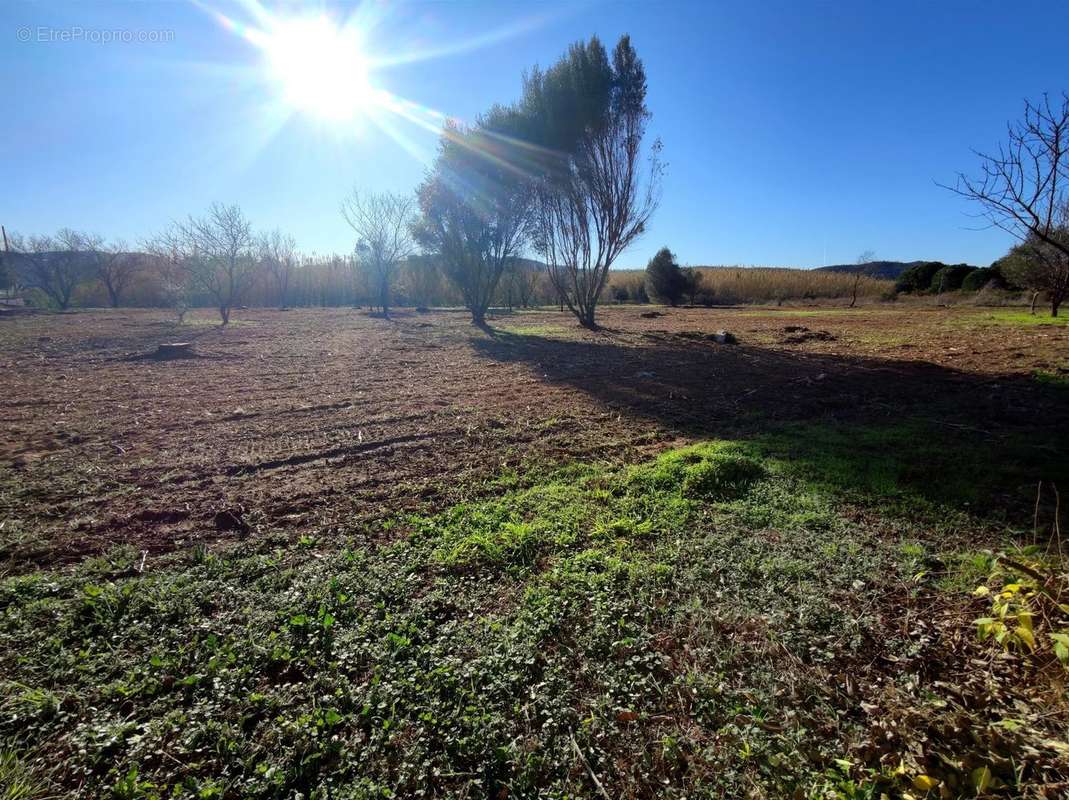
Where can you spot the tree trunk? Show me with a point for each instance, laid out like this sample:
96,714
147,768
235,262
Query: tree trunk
1032,307
224,314
1055,302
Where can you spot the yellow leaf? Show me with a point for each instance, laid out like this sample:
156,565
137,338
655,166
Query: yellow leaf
981,778
1025,635
981,591
924,783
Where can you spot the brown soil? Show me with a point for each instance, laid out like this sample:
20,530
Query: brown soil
316,419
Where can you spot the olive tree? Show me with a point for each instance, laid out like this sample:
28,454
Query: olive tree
475,206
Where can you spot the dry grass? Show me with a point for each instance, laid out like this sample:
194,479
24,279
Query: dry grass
739,285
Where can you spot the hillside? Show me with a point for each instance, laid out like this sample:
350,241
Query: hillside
888,270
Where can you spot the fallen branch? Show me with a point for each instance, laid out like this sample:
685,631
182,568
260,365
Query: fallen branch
589,769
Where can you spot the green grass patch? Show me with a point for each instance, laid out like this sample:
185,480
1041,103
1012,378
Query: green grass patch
537,330
1010,316
1060,379
593,619
712,471
920,467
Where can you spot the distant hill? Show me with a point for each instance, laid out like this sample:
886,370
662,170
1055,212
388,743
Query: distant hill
888,270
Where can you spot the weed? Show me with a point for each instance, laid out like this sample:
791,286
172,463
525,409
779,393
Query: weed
1060,379
17,782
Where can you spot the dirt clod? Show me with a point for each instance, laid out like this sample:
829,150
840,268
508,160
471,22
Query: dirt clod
809,336
231,520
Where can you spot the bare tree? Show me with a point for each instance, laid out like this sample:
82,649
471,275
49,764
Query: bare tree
278,255
1022,190
7,272
218,253
115,267
594,203
382,222
54,265
866,257
167,260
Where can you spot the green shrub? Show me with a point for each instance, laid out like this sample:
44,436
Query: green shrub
705,297
950,278
1008,270
978,279
981,278
918,277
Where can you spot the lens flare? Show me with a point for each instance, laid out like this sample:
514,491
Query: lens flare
319,67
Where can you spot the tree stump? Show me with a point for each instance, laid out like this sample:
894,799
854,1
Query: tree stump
174,350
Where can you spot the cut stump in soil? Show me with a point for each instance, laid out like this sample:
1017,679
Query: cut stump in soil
170,350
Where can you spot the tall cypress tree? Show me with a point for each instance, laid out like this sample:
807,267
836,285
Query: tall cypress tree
664,278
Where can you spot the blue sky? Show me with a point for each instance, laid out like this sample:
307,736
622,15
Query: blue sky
793,131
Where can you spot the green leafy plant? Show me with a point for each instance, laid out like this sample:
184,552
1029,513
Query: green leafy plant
1029,606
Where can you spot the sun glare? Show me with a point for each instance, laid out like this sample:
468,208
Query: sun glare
319,67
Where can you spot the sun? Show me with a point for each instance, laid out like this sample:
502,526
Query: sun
319,67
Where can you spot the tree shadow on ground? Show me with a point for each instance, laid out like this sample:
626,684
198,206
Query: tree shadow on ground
866,425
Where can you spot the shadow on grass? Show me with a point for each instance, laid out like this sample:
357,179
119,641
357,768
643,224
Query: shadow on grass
898,432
